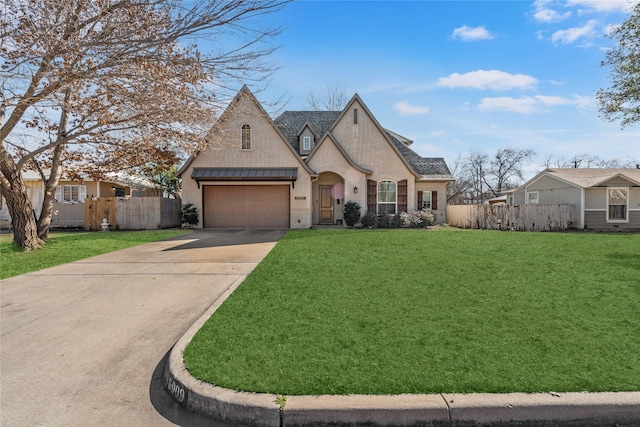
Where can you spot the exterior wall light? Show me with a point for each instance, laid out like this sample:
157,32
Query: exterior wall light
355,190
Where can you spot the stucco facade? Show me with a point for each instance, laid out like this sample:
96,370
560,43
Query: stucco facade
331,158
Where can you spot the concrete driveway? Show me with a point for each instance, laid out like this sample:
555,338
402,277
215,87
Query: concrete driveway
83,343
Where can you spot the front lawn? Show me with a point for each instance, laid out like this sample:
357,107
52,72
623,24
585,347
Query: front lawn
64,247
430,311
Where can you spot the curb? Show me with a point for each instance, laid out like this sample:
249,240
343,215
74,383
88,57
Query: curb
522,409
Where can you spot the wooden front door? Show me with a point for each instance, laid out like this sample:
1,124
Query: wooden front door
326,205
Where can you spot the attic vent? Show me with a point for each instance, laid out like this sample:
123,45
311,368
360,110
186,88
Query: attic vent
355,116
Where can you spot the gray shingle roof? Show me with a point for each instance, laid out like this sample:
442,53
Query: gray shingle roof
291,122
422,165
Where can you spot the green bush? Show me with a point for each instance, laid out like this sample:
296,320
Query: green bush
189,214
384,220
370,220
351,213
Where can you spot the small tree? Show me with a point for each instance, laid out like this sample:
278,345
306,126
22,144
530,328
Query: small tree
351,213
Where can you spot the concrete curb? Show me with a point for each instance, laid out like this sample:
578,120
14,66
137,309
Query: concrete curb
522,409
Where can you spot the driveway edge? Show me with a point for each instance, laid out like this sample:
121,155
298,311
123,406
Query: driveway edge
262,409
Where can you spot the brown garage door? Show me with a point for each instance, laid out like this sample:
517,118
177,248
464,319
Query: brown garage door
246,206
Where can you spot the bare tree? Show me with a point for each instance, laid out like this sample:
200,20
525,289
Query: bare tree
505,169
335,98
587,160
91,86
480,177
459,190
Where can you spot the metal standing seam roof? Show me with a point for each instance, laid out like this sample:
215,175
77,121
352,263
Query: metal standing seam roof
244,174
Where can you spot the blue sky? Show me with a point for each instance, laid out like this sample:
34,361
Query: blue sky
456,76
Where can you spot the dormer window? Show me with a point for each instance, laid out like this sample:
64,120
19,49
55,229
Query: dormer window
246,137
306,143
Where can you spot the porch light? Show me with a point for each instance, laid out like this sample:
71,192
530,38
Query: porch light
355,190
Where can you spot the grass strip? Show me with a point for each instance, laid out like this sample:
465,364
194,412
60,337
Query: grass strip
430,311
64,247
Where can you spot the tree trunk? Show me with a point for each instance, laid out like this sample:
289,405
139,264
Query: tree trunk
50,184
14,191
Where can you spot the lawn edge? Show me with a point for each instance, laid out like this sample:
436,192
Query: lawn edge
265,409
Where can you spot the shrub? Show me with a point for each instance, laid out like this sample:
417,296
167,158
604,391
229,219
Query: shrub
369,220
397,221
384,220
189,214
351,213
421,219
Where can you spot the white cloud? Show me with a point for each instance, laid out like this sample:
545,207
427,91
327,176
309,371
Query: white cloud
557,83
492,79
524,105
467,34
543,13
437,133
570,35
406,109
533,104
604,5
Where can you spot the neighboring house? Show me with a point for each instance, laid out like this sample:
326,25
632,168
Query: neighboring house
70,196
600,199
298,170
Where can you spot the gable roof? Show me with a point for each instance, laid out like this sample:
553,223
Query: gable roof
245,91
291,123
342,151
588,177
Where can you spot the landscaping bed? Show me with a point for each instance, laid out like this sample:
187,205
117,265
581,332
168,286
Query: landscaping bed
430,311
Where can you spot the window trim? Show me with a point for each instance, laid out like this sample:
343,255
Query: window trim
394,203
537,202
59,194
626,206
430,193
245,144
306,143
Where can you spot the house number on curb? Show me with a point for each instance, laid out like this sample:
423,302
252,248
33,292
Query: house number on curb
177,390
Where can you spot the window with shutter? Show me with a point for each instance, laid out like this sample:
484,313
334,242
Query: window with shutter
434,200
420,199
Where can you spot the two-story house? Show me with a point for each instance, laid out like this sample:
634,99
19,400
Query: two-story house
298,170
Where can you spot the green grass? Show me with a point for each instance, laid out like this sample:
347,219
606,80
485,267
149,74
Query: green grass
417,311
64,247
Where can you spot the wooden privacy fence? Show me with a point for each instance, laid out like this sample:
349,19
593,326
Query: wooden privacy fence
135,213
505,217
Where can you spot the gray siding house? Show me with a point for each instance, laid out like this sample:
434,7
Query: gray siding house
298,170
600,199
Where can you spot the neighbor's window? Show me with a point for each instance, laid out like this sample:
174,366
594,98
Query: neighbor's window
387,197
426,200
617,200
532,198
306,143
71,193
246,137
